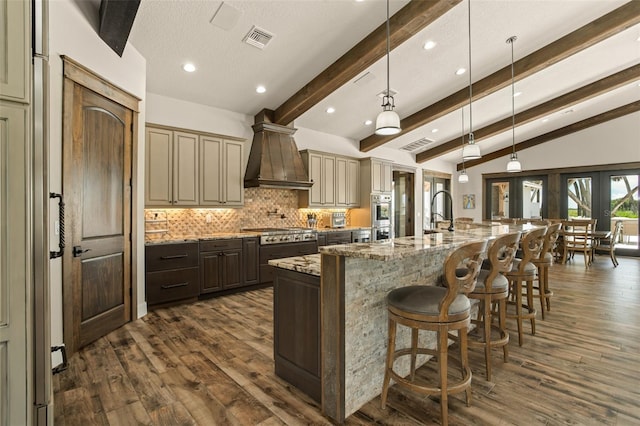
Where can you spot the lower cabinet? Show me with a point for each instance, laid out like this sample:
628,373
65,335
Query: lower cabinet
251,260
221,265
338,237
296,330
172,272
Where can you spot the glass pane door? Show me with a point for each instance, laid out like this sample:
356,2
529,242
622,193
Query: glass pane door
499,200
579,197
624,202
532,198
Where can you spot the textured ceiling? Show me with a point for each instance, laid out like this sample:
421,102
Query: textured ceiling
312,34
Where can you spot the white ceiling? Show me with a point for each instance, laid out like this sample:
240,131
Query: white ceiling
312,34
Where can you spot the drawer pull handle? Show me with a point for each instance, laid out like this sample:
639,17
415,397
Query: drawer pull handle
177,256
167,287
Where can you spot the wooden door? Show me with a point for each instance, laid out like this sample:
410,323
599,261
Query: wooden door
353,183
342,183
328,181
97,186
185,168
232,268
233,173
315,175
210,271
211,173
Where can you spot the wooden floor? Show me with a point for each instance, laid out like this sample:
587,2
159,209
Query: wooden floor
211,363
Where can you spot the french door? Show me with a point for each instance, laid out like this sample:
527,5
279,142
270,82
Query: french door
608,196
516,197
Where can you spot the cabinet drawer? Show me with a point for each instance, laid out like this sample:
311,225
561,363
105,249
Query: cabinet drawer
338,237
168,286
171,256
216,245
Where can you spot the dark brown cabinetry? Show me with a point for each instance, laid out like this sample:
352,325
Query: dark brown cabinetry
338,237
250,255
322,239
172,272
280,251
221,265
296,319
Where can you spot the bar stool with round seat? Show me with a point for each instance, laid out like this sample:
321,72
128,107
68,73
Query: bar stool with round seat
543,262
524,270
493,288
438,309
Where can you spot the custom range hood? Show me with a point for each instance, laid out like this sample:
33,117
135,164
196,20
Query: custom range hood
274,161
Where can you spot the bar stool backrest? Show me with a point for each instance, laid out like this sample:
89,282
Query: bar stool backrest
500,254
550,238
531,245
467,258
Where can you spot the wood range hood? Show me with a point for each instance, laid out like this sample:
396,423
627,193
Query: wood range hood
274,160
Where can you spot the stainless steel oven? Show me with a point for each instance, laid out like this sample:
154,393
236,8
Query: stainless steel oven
361,236
381,209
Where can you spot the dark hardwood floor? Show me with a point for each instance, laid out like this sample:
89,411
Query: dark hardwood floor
211,363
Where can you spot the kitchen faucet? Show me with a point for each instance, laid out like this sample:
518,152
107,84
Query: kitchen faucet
433,214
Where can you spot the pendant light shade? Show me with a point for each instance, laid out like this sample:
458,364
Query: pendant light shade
463,177
513,166
470,151
388,121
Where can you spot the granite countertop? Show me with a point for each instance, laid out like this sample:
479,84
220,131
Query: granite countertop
206,237
402,247
309,264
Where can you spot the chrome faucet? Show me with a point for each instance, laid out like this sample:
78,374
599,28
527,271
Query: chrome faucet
433,214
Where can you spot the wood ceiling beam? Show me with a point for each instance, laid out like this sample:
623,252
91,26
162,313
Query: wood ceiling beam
555,134
588,35
407,22
572,98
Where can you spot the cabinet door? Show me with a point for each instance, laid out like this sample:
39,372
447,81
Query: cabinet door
251,260
353,183
376,176
342,182
158,174
185,168
315,175
14,51
210,271
211,171
233,177
387,178
231,268
328,181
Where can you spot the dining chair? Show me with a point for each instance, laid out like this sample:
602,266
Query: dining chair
576,237
610,247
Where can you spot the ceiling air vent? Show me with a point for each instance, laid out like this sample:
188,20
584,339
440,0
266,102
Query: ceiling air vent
258,37
420,144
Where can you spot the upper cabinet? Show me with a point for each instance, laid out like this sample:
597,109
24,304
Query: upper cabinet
377,177
335,181
192,169
14,51
221,178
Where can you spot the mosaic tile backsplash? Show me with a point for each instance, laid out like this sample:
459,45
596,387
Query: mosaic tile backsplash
262,208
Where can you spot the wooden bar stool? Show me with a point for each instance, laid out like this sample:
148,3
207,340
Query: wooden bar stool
525,271
543,262
439,309
493,288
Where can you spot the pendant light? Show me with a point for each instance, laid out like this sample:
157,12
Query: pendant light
470,151
463,177
513,165
388,122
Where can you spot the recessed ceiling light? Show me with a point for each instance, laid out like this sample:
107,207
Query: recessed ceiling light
430,44
461,71
261,89
331,110
434,130
544,120
189,67
368,123
515,95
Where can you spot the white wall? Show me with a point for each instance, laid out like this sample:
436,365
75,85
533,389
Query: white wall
71,33
616,141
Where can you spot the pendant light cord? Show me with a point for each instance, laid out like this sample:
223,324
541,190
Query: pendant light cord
462,110
513,99
388,50
470,83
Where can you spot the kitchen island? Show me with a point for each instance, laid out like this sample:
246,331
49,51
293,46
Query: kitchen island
354,282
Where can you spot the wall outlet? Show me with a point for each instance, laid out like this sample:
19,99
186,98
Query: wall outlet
208,218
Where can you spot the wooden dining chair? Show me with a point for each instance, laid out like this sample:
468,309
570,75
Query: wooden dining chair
576,237
610,243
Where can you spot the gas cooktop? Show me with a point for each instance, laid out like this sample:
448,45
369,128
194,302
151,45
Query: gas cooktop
284,235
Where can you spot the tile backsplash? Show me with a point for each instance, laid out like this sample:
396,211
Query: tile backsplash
262,208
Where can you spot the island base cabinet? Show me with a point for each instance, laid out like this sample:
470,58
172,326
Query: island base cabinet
296,312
